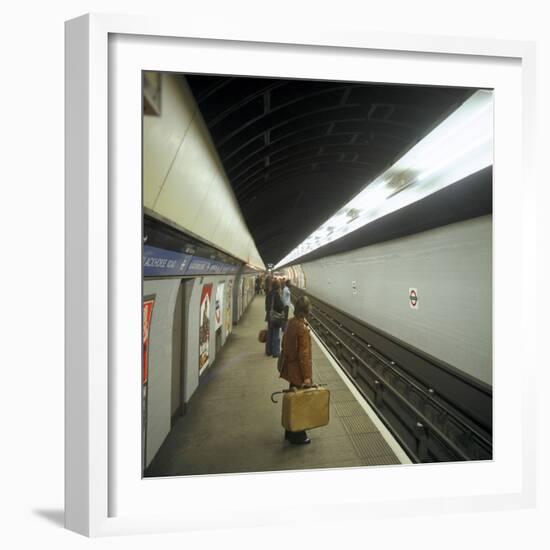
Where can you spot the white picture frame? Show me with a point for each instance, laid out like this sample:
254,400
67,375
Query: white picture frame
104,54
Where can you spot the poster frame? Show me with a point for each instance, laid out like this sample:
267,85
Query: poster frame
220,296
147,299
206,294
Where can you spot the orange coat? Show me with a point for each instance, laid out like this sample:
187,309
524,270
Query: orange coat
296,350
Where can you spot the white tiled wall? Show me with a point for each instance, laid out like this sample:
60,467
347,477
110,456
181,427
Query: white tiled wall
184,180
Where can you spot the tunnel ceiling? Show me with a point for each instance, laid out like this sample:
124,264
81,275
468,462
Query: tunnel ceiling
296,151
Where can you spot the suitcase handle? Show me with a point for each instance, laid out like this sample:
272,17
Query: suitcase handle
276,393
295,389
279,393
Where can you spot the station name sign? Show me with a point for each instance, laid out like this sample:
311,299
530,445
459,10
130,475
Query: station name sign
158,262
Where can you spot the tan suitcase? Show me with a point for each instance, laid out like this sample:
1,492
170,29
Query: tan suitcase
305,409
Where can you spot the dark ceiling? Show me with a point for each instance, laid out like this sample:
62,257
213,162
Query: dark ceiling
296,151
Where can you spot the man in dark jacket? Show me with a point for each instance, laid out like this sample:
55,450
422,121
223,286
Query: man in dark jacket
273,302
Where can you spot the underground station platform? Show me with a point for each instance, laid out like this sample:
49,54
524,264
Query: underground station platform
232,426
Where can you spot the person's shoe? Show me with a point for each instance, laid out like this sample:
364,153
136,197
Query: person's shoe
299,438
304,441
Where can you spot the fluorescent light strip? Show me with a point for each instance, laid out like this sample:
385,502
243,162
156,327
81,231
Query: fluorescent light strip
461,145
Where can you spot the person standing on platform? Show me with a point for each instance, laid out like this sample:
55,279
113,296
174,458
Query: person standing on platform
296,367
286,301
267,288
273,302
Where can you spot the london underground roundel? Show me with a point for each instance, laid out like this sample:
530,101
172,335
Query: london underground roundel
413,298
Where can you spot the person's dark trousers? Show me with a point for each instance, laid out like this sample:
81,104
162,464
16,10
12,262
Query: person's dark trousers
268,341
274,338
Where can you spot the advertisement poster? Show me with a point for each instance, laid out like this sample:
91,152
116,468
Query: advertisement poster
250,289
219,305
204,326
241,297
147,315
229,307
148,304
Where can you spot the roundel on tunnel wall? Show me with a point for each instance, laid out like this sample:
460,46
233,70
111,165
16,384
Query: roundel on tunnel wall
413,298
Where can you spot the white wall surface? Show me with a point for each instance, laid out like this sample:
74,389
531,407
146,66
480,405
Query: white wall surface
31,503
183,178
192,333
160,361
450,267
162,354
192,328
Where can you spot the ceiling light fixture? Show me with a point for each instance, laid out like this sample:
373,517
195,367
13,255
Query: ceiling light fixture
461,145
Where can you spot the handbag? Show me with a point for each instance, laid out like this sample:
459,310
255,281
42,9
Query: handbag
262,336
274,317
277,319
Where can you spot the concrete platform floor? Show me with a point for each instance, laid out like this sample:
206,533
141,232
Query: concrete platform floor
232,426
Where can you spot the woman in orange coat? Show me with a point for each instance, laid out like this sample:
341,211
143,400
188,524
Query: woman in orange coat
296,362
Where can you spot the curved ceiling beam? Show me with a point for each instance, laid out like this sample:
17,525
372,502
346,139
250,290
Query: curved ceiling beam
314,114
286,139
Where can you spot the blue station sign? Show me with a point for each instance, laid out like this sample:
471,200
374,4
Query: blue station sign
158,262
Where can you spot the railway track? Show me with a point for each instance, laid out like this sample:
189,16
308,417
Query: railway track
436,413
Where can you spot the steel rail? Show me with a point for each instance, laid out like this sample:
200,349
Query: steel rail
427,392
422,420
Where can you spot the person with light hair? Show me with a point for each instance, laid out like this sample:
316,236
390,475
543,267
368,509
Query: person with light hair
286,301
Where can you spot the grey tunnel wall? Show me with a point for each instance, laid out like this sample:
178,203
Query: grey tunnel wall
451,268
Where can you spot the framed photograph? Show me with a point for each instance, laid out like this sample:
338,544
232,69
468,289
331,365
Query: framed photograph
115,67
